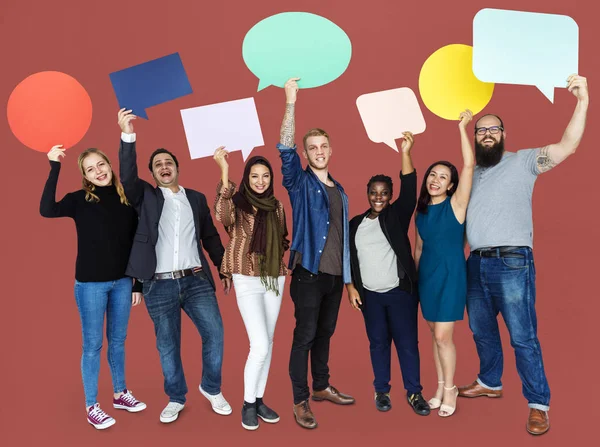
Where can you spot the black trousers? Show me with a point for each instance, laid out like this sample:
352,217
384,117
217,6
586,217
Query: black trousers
393,316
316,306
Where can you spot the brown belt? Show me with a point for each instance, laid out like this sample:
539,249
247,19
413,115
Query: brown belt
177,273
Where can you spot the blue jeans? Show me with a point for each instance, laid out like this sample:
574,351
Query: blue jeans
393,316
94,299
195,295
506,285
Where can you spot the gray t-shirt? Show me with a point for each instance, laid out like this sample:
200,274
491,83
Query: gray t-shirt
376,257
499,212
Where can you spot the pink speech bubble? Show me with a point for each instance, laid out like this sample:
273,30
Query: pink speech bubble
388,113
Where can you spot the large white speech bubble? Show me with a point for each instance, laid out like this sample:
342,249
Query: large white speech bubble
233,124
527,48
388,113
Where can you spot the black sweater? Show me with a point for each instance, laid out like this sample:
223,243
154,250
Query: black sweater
105,229
394,221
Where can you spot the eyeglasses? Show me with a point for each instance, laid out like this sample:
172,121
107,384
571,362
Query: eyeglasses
493,130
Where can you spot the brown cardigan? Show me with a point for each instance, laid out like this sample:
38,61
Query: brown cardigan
240,226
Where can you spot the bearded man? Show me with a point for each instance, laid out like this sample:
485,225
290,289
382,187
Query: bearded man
500,269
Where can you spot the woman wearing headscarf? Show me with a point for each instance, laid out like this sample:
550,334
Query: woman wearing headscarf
255,222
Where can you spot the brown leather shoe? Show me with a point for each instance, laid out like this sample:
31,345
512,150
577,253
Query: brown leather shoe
333,395
476,390
538,422
304,416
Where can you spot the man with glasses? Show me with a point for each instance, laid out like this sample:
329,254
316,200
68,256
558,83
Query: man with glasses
500,269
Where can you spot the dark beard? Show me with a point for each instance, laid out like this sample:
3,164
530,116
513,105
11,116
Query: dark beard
487,157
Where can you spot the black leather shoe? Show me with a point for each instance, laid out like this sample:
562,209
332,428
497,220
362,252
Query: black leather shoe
418,404
383,401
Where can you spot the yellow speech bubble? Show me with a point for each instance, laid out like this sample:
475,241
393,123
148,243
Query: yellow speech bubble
447,83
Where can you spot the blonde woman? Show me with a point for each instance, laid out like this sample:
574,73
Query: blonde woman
105,224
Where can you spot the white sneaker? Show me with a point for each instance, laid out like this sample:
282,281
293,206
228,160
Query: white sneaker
218,402
171,412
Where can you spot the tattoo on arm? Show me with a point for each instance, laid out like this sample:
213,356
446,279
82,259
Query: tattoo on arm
544,160
288,126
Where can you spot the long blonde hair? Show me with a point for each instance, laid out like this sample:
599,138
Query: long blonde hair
89,187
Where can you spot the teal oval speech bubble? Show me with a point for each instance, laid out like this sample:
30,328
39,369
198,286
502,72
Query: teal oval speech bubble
296,44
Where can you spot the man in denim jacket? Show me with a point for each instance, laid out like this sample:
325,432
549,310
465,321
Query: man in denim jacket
320,259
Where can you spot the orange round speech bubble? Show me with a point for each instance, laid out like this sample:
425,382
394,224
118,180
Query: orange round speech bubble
49,108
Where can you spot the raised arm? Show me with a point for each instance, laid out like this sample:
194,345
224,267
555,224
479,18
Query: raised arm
407,144
128,172
407,200
291,165
554,154
460,199
287,132
224,207
49,207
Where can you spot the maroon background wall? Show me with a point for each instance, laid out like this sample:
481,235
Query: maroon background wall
42,396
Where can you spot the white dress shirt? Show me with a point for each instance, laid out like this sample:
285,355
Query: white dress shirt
177,247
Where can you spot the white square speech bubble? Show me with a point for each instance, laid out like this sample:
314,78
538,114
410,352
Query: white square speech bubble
233,124
527,48
386,114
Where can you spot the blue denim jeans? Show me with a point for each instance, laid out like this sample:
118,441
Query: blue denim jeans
94,300
195,295
506,285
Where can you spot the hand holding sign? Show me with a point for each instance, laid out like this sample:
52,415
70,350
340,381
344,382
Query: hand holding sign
578,86
56,153
124,118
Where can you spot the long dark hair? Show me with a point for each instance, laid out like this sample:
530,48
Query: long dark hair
424,196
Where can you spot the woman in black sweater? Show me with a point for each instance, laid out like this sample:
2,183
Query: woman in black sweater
105,224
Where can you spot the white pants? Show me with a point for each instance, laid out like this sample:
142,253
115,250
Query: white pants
259,309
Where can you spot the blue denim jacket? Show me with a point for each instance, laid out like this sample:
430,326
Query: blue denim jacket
310,211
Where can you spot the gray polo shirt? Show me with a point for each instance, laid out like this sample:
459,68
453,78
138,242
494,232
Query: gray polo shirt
499,212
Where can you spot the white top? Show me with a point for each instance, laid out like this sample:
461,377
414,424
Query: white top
176,248
376,258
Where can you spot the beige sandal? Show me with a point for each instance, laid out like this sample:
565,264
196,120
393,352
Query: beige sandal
434,402
447,410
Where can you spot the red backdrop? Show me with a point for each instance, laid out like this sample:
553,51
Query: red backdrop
41,336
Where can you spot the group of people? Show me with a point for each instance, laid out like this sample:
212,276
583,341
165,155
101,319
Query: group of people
138,241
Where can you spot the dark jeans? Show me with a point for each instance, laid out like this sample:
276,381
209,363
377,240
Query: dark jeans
196,296
506,285
393,316
316,306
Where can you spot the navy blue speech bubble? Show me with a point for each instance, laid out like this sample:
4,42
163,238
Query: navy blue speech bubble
151,83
